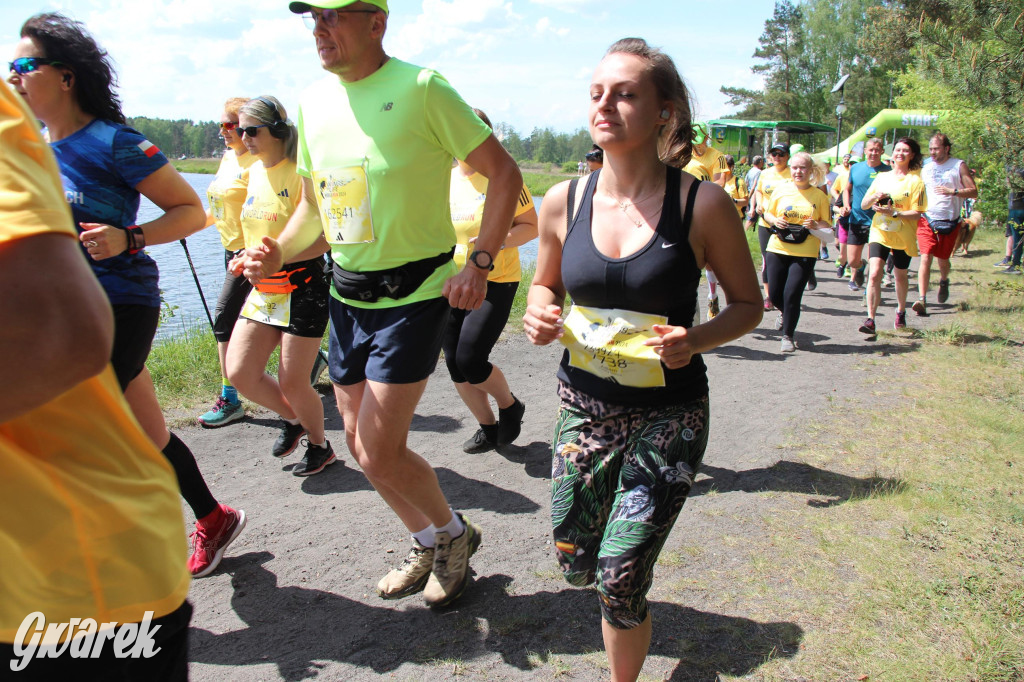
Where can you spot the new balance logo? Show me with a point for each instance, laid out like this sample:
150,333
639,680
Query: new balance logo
387,107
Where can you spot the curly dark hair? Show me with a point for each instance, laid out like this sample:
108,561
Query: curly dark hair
917,159
69,42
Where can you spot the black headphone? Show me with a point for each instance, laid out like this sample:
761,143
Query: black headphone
279,127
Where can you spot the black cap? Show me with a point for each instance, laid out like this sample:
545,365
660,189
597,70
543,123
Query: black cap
780,146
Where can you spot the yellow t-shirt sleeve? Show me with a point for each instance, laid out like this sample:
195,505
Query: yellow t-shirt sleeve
919,198
31,194
525,202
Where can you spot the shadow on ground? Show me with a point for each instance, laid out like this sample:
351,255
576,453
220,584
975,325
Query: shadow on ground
797,477
296,629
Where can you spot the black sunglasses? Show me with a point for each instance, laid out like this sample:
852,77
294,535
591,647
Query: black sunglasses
251,131
330,17
24,65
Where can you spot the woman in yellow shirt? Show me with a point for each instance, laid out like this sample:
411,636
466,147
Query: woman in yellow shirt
288,308
769,179
898,199
470,335
798,216
225,195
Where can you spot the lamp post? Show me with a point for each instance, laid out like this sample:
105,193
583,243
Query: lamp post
840,110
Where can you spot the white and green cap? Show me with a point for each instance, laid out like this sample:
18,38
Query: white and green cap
303,7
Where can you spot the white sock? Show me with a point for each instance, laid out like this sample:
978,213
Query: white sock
318,445
293,422
454,528
426,536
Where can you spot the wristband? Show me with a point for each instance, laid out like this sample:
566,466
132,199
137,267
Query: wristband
136,239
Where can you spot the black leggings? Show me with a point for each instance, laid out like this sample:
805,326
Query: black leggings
763,235
229,304
787,277
471,334
190,479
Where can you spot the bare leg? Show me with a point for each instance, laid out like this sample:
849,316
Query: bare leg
141,397
854,252
222,354
251,346
875,286
627,649
478,402
902,286
943,268
298,353
377,418
924,273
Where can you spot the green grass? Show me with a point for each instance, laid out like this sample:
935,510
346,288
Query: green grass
205,166
922,579
540,183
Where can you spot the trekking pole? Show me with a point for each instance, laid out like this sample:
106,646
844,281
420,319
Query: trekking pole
196,278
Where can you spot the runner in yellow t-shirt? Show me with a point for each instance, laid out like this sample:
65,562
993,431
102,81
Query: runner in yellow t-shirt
226,195
898,199
799,215
91,524
287,308
770,178
470,335
707,156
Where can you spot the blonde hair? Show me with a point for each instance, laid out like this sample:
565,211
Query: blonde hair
234,104
817,173
269,110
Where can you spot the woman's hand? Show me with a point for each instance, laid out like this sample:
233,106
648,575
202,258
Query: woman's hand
780,222
887,209
103,241
543,324
672,344
262,261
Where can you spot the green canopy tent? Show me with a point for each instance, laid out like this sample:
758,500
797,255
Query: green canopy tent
747,138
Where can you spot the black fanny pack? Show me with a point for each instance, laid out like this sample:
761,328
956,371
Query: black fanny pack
942,226
372,285
793,234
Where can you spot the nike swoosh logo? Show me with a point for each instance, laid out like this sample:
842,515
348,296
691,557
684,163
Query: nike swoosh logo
665,245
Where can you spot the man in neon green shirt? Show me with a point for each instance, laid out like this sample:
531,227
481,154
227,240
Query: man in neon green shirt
376,143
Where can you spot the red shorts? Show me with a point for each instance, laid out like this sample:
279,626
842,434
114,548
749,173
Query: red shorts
938,245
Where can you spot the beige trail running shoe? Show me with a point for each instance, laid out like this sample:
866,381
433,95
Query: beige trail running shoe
450,574
411,576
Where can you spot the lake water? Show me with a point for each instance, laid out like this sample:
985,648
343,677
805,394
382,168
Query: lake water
176,282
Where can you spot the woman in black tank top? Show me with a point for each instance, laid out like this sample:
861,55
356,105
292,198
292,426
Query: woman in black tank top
628,248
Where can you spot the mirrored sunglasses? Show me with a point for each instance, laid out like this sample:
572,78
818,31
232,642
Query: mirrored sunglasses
24,65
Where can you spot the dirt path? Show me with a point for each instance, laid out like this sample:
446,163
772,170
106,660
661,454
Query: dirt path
295,597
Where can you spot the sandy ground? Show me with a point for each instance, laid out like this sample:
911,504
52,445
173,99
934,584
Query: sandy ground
295,599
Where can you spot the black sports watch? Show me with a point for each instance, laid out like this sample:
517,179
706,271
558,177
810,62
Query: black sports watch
487,265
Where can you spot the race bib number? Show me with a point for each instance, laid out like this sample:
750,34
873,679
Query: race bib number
273,309
888,224
343,197
608,343
217,205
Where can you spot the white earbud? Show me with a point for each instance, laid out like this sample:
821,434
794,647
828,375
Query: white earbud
665,113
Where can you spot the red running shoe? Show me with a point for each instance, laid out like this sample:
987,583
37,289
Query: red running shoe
208,544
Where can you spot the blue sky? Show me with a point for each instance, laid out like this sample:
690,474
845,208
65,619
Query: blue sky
524,62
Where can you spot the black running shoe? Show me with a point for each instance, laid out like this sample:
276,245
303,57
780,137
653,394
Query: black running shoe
481,441
510,421
288,439
315,460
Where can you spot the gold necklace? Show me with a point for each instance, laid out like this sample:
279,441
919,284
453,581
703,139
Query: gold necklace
625,205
